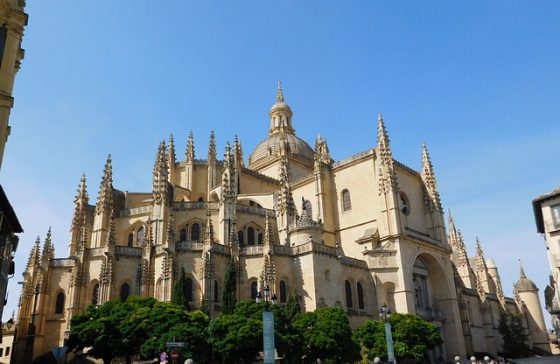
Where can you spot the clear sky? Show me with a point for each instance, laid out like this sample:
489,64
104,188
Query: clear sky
478,81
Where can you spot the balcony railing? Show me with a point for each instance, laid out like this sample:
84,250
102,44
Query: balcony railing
128,251
255,210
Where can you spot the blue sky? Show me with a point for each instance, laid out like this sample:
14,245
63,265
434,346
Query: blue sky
477,81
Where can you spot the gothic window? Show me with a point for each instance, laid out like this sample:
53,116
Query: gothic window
240,237
95,295
140,235
556,214
189,289
251,236
348,294
405,204
195,232
346,201
130,239
253,290
282,292
183,235
125,291
201,199
260,239
361,304
216,292
59,306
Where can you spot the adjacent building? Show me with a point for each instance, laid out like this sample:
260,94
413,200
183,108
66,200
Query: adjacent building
547,217
356,233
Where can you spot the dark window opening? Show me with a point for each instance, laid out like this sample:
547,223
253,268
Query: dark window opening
125,292
361,304
189,289
253,290
95,295
59,307
240,237
251,236
348,294
195,232
282,292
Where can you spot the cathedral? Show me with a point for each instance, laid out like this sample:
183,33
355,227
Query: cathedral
356,233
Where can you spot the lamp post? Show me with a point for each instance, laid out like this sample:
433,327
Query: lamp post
269,349
385,315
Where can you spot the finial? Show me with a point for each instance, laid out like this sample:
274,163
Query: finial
521,270
279,93
380,117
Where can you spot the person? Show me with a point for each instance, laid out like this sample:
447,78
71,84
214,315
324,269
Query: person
163,357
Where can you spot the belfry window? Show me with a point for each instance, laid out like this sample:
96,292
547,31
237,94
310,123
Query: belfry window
251,236
282,292
405,204
130,239
361,304
183,235
195,232
346,201
125,292
59,306
189,289
348,288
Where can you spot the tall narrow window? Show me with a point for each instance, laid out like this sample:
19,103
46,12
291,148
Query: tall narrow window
361,304
346,201
251,236
348,294
189,289
216,291
260,239
183,235
125,291
140,236
240,237
195,232
95,295
556,214
282,292
3,34
253,290
130,239
59,307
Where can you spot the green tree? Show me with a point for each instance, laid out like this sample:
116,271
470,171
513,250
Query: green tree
326,335
288,339
229,293
180,291
238,335
514,335
412,337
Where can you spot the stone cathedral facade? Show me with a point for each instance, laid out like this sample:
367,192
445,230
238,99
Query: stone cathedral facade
355,233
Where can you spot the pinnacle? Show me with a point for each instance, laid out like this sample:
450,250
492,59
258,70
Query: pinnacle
279,93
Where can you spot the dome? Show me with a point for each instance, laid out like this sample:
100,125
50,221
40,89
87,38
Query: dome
272,145
525,284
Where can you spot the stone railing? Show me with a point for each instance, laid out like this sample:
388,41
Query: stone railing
251,250
282,250
188,245
315,247
62,262
352,158
95,252
353,262
188,205
221,249
255,210
136,211
128,251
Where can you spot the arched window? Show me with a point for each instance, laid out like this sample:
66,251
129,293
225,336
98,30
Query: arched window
282,292
125,291
251,236
361,304
201,199
189,289
253,290
346,201
183,235
260,239
195,232
59,306
348,294
95,295
240,237
216,292
140,236
130,239
405,204
418,292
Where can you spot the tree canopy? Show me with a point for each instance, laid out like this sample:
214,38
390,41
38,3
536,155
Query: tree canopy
180,291
412,337
229,293
514,335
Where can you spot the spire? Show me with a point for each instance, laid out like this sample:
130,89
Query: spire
322,150
105,197
387,175
286,203
171,158
228,177
190,149
521,271
268,236
209,232
80,201
429,177
34,259
171,230
212,148
159,183
48,249
451,223
480,261
279,93
111,237
237,153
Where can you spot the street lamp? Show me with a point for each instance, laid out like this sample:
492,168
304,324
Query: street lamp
457,359
385,315
269,349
